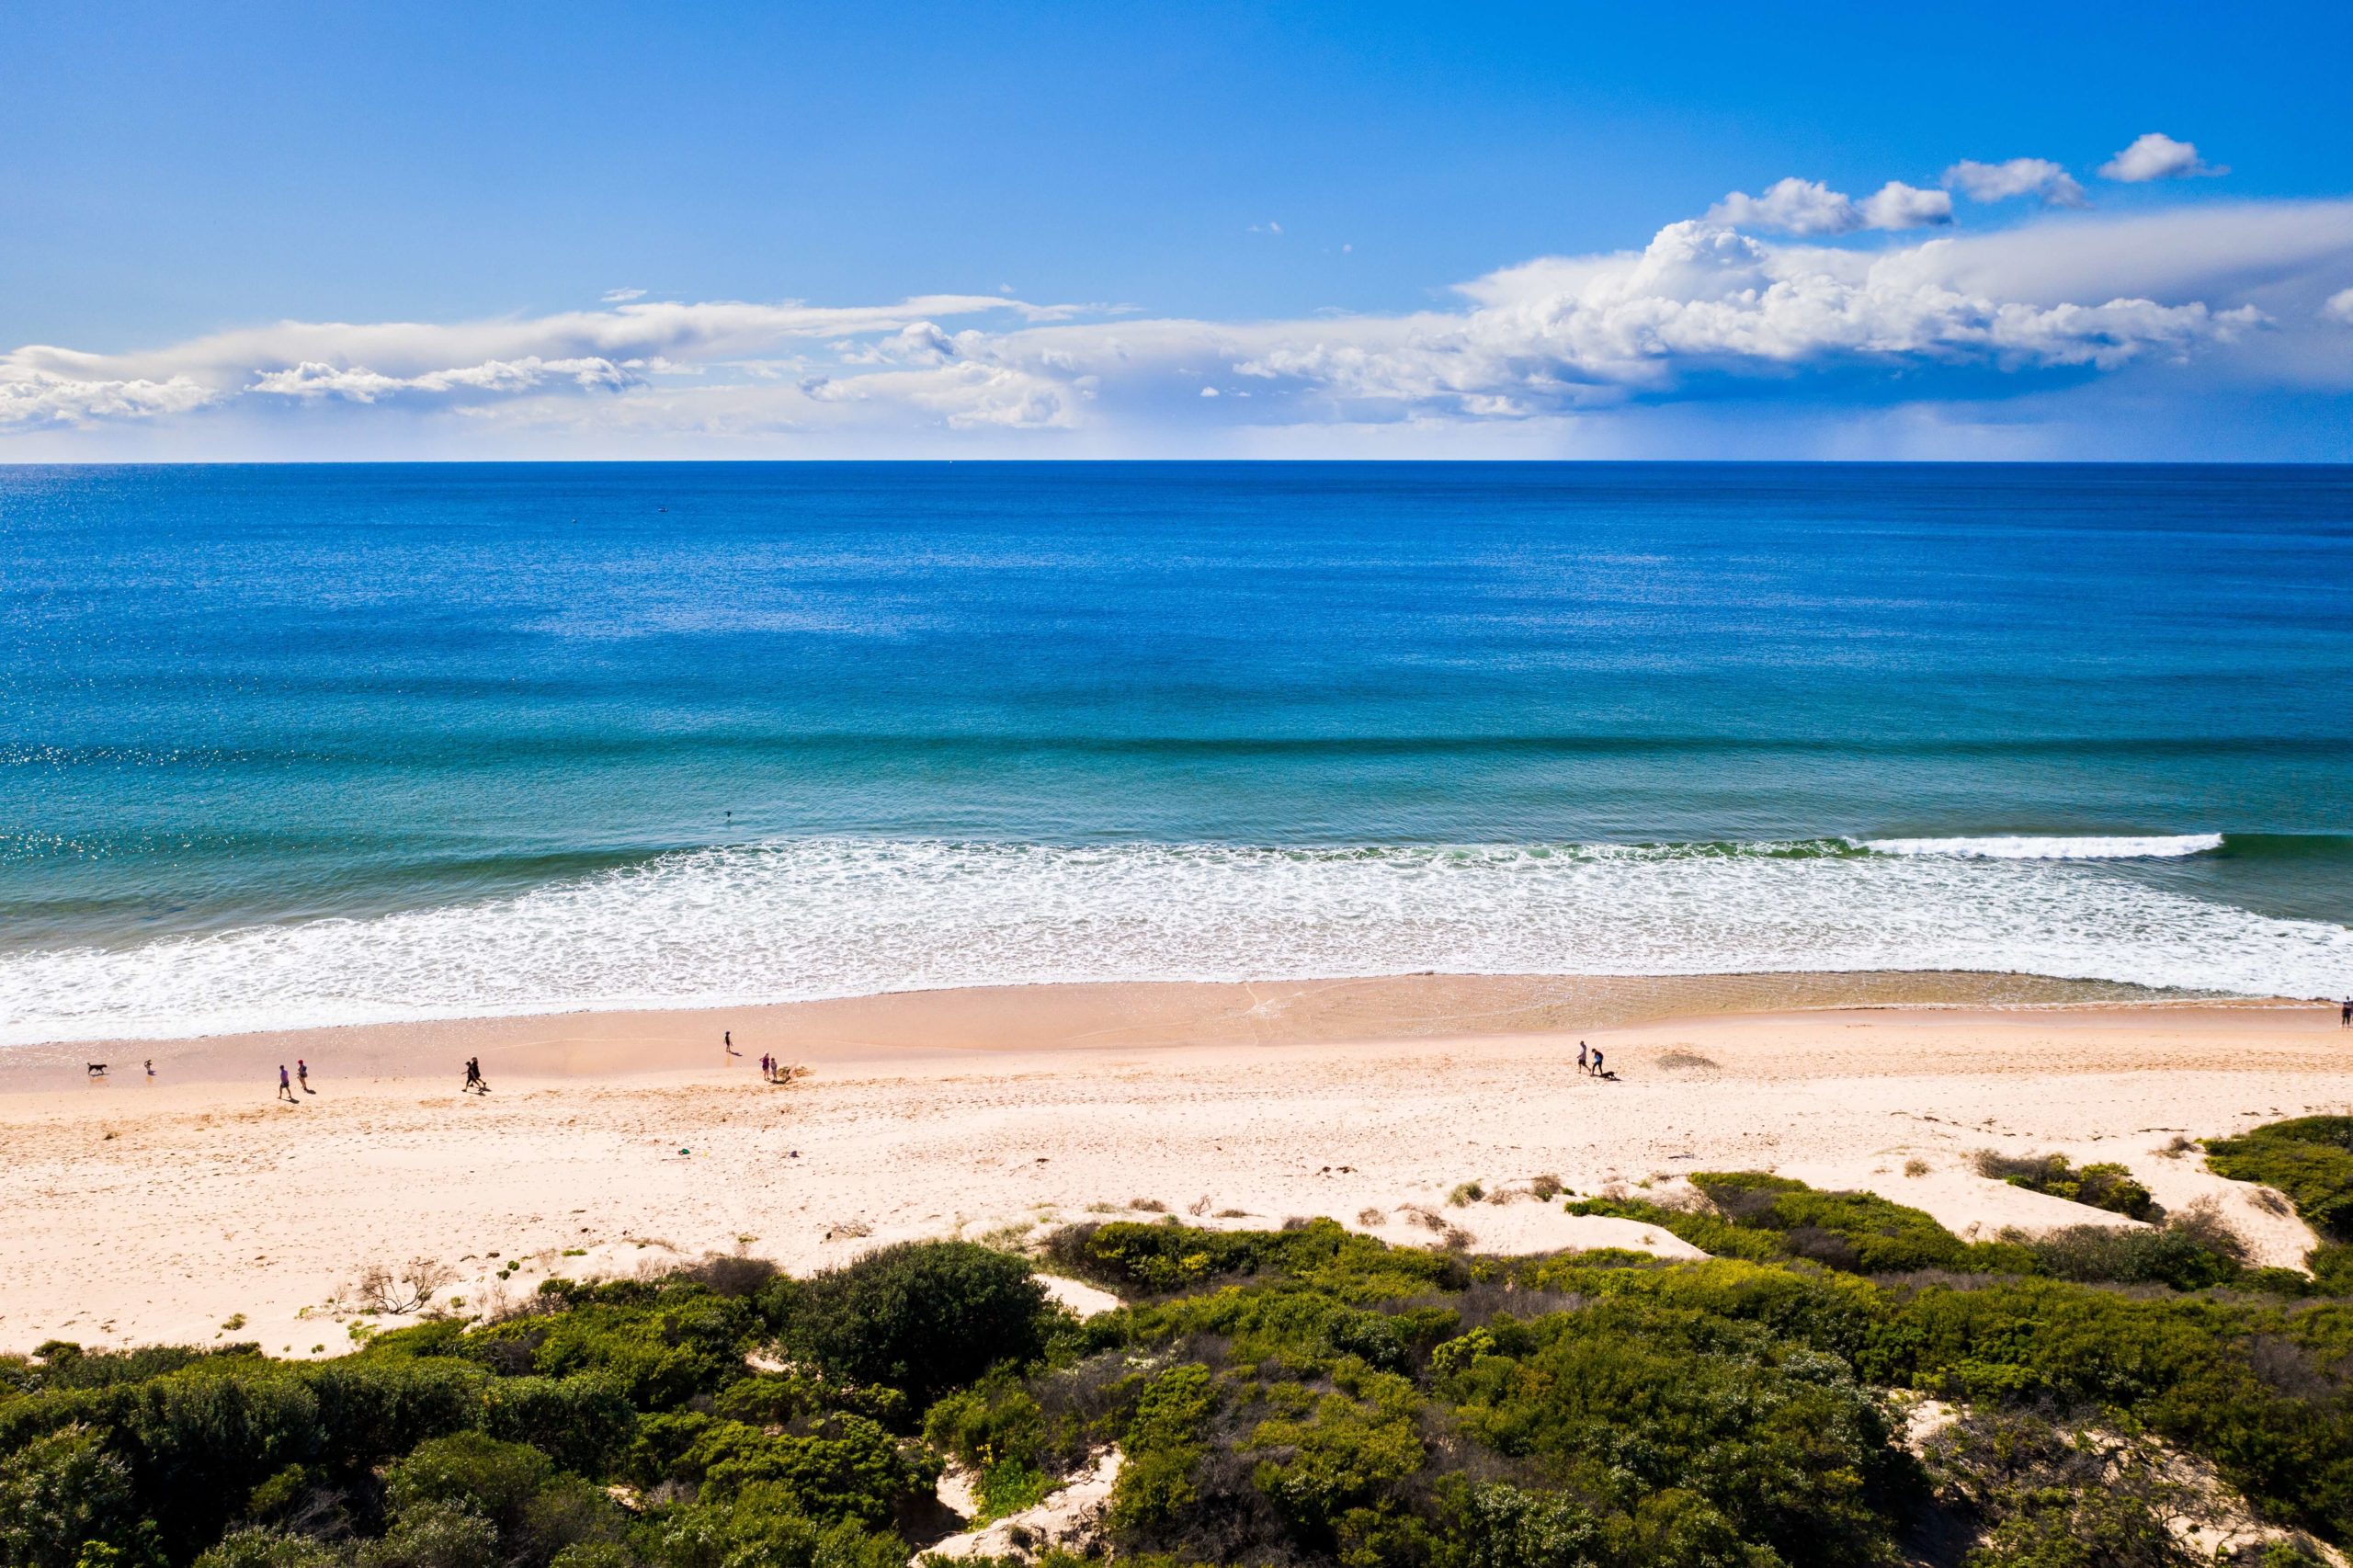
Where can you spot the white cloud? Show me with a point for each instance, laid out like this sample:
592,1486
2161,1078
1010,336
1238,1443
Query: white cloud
40,399
1700,311
1796,206
2039,177
1268,227
622,295
2157,156
1899,206
1790,206
312,380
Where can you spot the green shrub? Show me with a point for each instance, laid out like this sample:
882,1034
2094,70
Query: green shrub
2135,1256
659,1351
63,1493
2309,1158
253,1547
433,1535
1860,1232
2107,1187
849,1469
1711,1234
994,1420
1149,1260
472,1471
922,1317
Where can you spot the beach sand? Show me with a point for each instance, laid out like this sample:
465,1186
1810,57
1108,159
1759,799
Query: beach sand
140,1211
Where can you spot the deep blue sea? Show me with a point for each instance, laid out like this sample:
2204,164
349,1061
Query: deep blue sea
322,743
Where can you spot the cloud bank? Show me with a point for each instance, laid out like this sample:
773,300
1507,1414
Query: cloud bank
1799,297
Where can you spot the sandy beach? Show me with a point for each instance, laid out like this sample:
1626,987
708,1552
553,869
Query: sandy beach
141,1211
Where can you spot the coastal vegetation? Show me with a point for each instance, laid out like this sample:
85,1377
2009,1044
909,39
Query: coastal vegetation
1843,1383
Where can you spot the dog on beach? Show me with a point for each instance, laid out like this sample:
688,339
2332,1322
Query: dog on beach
97,1069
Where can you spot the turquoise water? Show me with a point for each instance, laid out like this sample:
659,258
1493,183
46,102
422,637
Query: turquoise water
292,744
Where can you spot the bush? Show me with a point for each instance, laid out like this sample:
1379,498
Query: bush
433,1535
257,1548
2175,1255
2107,1187
62,1494
922,1317
1860,1232
472,1471
2310,1158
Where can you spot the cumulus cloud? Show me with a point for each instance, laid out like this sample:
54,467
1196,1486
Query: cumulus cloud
2038,178
2339,307
38,399
1790,206
1899,206
2157,156
1796,206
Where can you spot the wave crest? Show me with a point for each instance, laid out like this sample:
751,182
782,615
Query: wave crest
2052,847
832,917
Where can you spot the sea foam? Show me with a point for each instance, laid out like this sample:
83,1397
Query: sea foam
2038,846
813,918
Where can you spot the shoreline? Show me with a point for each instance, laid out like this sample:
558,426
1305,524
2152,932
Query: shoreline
954,1020
142,1213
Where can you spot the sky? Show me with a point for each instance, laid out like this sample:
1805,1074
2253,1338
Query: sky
1072,230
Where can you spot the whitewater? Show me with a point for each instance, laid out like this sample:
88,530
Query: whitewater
828,917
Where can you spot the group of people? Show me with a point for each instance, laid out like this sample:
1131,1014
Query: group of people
285,1085
1590,1062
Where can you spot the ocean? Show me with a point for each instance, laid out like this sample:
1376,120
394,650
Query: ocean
310,745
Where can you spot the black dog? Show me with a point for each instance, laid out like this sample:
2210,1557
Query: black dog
97,1069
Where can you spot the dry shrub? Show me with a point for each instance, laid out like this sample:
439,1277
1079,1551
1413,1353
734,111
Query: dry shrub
398,1291
1689,1060
1200,1205
1148,1205
726,1275
1372,1217
1465,1194
1546,1188
2270,1200
1915,1166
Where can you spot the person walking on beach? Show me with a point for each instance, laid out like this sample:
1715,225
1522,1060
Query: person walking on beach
1597,1063
1584,1058
302,1073
727,1039
151,1069
285,1085
473,1076
2345,1014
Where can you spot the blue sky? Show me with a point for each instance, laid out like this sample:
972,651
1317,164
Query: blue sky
1085,230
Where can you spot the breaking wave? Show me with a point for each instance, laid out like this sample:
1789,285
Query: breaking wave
812,918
